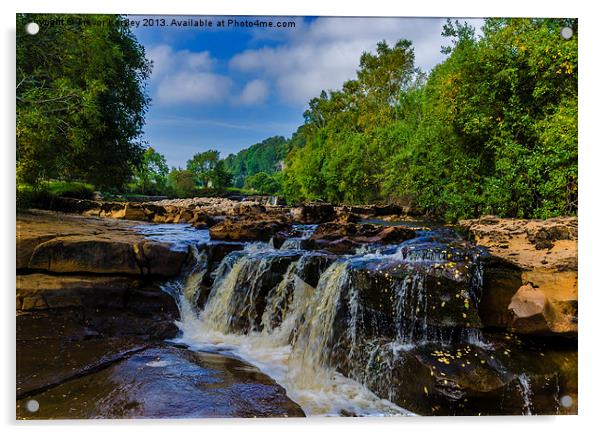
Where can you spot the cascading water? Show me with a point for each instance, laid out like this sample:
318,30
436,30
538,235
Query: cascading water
524,386
357,318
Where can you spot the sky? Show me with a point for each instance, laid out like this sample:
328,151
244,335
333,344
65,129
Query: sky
229,87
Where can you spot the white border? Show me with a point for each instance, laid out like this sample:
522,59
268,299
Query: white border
590,301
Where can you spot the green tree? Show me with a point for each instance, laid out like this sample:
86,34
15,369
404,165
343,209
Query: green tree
220,177
262,183
266,156
80,99
202,165
151,176
181,182
340,155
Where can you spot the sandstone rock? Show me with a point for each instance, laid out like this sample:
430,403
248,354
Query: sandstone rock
246,230
313,213
74,244
346,237
181,383
159,259
532,312
43,291
85,254
541,254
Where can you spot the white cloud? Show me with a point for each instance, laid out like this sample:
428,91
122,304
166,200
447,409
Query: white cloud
193,88
254,92
186,77
325,53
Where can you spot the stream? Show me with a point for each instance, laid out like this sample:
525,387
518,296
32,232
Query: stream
307,320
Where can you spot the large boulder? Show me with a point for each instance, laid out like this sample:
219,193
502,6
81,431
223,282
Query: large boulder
504,378
102,255
532,312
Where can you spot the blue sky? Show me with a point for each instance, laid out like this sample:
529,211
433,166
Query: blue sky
227,88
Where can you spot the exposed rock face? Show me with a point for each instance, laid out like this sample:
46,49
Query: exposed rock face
313,213
247,230
340,237
531,279
70,244
469,380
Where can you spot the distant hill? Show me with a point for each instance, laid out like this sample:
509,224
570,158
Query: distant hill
266,156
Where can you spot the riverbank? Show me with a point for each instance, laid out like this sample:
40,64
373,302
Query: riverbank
489,324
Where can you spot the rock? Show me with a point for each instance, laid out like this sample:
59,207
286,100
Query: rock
165,382
533,313
247,230
85,327
312,265
73,244
95,254
87,254
465,379
159,259
43,291
540,254
313,213
346,237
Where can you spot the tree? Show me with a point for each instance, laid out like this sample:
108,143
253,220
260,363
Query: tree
80,99
220,177
266,156
493,129
341,155
151,176
262,183
181,183
201,166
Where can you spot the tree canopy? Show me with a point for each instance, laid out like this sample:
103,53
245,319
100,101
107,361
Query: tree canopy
493,129
81,99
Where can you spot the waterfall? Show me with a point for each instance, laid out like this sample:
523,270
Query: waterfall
290,340
358,317
313,341
524,386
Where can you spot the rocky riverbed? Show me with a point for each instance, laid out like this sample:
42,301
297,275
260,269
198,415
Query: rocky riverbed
396,314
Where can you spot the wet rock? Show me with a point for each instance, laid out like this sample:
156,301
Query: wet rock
258,275
312,265
54,345
340,237
416,301
247,230
504,377
313,213
163,382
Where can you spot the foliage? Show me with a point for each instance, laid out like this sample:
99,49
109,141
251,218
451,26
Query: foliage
266,157
181,183
150,177
42,195
80,99
492,130
263,183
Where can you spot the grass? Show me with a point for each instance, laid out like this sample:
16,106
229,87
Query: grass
43,195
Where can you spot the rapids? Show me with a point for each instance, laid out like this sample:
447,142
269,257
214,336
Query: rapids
261,309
